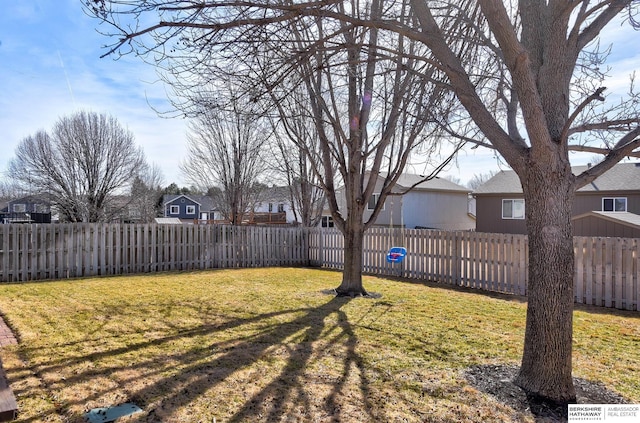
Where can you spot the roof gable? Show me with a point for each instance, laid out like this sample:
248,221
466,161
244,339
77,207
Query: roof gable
171,198
407,180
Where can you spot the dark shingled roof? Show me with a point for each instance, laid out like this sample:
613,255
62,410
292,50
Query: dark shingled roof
621,177
206,202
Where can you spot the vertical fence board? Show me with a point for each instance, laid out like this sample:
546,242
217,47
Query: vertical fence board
627,269
617,268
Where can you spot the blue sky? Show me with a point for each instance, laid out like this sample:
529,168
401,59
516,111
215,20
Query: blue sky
50,67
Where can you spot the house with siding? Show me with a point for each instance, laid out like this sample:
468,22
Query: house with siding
273,207
189,208
28,209
609,206
434,204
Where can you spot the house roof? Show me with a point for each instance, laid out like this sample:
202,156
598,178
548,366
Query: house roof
407,180
205,202
624,218
167,220
621,177
33,199
275,194
170,198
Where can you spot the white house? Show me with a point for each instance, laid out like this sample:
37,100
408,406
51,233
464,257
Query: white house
275,201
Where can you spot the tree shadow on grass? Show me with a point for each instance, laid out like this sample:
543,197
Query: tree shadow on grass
295,339
285,393
290,383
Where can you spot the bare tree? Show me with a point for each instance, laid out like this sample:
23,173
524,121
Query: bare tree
292,163
536,50
372,105
225,150
368,94
146,194
85,160
480,178
533,75
9,189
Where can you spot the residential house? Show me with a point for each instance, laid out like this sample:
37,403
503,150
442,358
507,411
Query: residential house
609,206
434,204
28,209
274,207
190,208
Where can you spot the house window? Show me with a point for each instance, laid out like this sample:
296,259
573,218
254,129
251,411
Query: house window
174,210
19,208
270,207
281,208
513,209
191,209
618,204
373,200
327,222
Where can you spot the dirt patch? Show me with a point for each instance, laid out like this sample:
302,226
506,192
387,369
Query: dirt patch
497,381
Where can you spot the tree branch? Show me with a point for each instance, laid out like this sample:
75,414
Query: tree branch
595,96
624,147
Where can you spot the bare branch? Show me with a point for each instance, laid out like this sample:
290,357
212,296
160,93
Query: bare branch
624,147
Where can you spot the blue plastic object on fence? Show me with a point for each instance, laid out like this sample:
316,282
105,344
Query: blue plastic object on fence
396,254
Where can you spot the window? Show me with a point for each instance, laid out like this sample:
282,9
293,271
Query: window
19,208
373,200
327,222
281,208
618,204
513,209
174,210
191,209
270,207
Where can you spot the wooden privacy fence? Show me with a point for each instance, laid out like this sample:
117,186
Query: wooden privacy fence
607,270
32,252
493,262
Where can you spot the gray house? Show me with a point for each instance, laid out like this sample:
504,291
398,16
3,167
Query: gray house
609,206
189,208
435,204
29,209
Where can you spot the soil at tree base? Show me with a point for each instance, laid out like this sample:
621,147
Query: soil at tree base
497,381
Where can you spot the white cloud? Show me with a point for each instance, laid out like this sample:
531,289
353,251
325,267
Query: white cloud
51,68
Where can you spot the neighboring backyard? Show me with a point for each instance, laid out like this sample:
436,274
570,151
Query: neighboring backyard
272,345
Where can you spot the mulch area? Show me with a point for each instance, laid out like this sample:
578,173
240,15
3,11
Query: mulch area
8,405
497,381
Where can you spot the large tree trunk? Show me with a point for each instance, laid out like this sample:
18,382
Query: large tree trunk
546,360
352,275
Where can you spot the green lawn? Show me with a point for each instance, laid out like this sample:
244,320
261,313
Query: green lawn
269,345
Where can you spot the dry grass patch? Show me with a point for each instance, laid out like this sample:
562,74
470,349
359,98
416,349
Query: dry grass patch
268,345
